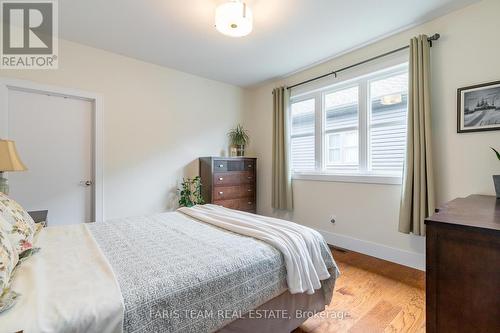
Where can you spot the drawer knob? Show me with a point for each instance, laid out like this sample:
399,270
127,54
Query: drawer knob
221,193
249,165
249,190
250,202
220,178
250,177
221,165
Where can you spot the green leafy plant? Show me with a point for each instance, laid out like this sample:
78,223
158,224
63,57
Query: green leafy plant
238,136
190,192
496,152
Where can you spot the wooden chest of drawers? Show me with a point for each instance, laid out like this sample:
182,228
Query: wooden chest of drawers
229,182
463,266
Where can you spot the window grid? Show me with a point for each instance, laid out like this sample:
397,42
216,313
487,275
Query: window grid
381,141
302,136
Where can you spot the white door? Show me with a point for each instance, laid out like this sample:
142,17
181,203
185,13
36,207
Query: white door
53,135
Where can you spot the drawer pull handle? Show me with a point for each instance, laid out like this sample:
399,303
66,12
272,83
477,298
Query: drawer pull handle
221,193
250,202
249,165
250,177
249,190
220,178
221,165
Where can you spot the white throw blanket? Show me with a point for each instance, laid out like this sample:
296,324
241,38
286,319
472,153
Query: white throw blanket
66,287
299,245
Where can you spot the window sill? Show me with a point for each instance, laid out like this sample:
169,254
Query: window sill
350,178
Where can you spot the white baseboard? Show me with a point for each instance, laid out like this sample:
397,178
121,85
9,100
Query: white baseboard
402,257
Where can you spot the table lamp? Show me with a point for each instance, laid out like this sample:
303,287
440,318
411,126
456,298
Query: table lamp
9,161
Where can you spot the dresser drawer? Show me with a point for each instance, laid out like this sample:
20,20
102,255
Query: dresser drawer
234,165
234,178
220,166
250,165
246,204
233,192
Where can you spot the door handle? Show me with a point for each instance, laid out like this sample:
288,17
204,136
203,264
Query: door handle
86,183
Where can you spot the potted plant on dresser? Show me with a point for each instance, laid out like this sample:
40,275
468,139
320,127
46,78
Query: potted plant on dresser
496,178
238,138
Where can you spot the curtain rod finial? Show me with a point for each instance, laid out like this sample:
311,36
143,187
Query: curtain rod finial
432,38
435,37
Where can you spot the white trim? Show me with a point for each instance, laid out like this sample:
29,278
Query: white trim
4,105
363,128
319,127
402,257
349,178
96,99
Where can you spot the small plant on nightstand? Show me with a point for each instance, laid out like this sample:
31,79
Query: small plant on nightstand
190,192
496,178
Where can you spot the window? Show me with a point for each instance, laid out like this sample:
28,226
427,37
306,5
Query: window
387,139
302,138
341,128
353,128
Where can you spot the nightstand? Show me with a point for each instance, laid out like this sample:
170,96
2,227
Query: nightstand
40,216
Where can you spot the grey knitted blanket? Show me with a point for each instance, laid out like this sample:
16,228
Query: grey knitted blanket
177,274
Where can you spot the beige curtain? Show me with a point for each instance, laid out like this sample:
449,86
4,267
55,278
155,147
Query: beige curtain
282,181
417,200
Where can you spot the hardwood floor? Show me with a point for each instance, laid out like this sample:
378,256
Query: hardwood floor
371,296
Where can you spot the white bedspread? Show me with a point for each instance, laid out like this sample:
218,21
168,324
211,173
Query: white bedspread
299,245
66,287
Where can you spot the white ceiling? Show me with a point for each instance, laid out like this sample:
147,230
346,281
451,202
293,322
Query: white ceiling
288,34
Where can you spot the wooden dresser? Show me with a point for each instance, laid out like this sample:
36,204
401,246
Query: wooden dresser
229,182
463,266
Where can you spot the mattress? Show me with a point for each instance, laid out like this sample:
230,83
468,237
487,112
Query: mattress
177,274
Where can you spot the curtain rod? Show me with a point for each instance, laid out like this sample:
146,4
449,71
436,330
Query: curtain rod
334,73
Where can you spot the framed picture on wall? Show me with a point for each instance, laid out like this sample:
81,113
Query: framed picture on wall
478,108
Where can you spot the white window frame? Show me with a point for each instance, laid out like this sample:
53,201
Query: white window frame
322,111
302,99
341,149
363,175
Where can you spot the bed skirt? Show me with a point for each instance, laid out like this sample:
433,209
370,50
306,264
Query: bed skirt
281,314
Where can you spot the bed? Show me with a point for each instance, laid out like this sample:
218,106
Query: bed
168,272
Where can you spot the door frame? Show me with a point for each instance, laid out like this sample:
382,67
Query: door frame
7,84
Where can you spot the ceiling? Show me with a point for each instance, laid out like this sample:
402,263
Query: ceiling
288,34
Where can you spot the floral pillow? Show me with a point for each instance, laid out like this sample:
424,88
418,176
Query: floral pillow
8,261
17,223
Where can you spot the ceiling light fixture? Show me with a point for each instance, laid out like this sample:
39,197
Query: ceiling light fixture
234,18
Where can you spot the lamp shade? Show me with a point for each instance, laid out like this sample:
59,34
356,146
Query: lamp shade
9,159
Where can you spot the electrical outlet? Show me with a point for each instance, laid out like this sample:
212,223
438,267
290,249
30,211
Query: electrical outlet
333,219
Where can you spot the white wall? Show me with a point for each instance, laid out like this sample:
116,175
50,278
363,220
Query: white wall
367,214
157,122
